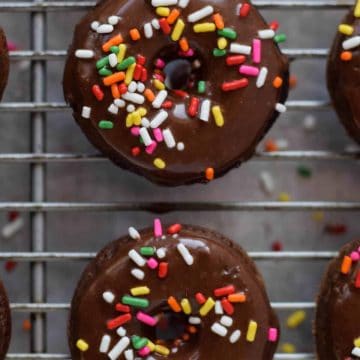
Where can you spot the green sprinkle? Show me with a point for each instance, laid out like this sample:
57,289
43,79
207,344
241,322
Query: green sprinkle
147,251
228,33
114,49
280,38
138,342
304,171
134,301
102,62
105,72
217,52
126,63
201,87
105,124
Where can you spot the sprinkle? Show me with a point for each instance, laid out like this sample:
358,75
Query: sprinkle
134,98
135,34
184,252
186,306
266,34
273,334
113,109
161,116
357,342
356,351
174,305
180,146
351,43
161,253
145,136
200,298
346,55
204,27
357,9
260,82
137,258
207,307
288,348
105,344
152,263
205,110
159,99
200,14
129,354
295,319
113,20
256,51
226,321
157,3
274,25
237,298
219,119
281,108
235,84
174,229
193,106
119,348
162,11
227,290
159,163
244,10
94,25
148,31
108,296
122,308
140,290
240,49
114,41
178,30
84,54
346,265
163,270
105,29
136,302
106,125
162,350
227,306
138,342
98,93
118,321
82,345
249,70
184,45
219,329
193,320
129,74
235,60
280,38
165,27
173,16
235,336
219,21
169,138
146,319
219,52
184,3
112,79
346,29
122,52
251,332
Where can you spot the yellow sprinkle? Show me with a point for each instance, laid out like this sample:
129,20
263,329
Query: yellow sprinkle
82,345
357,9
346,29
142,111
283,196
222,43
162,350
295,319
151,345
288,348
129,74
318,216
136,118
129,120
178,30
159,163
121,53
204,27
158,84
251,332
205,309
140,290
357,342
219,119
163,11
186,306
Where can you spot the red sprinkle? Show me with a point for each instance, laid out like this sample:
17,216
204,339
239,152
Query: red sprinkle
193,106
118,321
234,85
168,104
244,10
226,290
122,88
10,265
98,93
227,306
135,151
357,280
137,72
277,246
336,229
165,27
181,93
174,229
140,59
13,215
274,25
200,298
235,60
144,75
122,308
163,270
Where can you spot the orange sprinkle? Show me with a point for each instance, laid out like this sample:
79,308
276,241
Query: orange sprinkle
135,34
292,81
114,78
174,305
346,56
192,329
209,173
270,145
26,325
219,21
184,45
185,337
150,96
277,83
116,40
346,265
115,91
237,298
175,13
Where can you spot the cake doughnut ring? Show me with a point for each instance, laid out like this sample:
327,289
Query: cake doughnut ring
4,62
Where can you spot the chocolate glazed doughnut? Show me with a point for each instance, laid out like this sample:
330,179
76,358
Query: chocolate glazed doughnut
4,62
343,73
178,91
337,324
5,322
184,293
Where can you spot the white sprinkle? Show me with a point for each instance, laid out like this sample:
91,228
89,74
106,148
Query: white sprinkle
121,331
113,109
113,61
161,253
94,25
157,3
105,344
180,146
129,354
105,29
132,87
109,297
119,103
235,336
145,136
237,9
138,274
159,99
356,351
148,31
136,258
169,138
309,122
159,118
200,14
219,329
266,34
260,81
194,320
113,20
119,348
196,64
155,23
226,321
133,233
351,43
134,98
267,182
145,122
140,87
281,108
183,3
10,229
218,308
282,144
184,252
86,112
205,110
84,54
240,49
130,108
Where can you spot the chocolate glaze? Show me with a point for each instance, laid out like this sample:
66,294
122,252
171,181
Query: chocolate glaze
217,262
4,62
343,79
338,310
248,113
5,322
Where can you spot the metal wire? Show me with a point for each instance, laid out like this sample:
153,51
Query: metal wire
38,158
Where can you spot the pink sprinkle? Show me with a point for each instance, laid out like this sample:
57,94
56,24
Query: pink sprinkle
157,228
145,351
135,130
152,263
188,53
257,51
273,334
159,77
158,135
150,148
249,70
11,46
146,319
160,63
355,256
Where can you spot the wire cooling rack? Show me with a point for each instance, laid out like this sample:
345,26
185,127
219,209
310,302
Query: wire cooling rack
38,206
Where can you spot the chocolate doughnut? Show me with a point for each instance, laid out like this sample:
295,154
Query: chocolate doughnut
343,73
4,62
183,293
5,322
178,91
337,326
